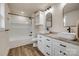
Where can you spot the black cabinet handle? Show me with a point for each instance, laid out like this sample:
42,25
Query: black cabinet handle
63,53
47,53
40,37
30,32
62,45
7,30
47,39
60,51
40,40
30,35
47,46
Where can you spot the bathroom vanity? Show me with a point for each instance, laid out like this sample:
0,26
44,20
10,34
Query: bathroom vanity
57,46
60,44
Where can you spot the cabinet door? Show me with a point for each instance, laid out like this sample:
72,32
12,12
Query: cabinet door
73,50
48,46
57,49
60,48
48,50
41,44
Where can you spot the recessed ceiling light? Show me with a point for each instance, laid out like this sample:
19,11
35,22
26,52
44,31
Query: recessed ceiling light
22,12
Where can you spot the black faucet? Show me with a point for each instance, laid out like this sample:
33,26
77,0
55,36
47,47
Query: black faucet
69,29
47,29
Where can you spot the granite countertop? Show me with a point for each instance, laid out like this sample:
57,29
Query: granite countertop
54,36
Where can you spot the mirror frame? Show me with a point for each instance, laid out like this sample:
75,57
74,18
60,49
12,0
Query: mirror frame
50,21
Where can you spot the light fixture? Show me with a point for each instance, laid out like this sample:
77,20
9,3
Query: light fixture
22,12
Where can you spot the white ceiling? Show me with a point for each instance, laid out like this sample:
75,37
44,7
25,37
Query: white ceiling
71,6
30,8
27,8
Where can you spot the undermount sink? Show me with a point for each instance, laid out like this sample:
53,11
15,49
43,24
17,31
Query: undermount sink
69,36
65,35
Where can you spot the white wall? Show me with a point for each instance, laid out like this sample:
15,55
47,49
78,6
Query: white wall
2,13
58,25
4,39
58,20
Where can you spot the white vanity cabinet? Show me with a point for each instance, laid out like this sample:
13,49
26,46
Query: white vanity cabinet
65,49
54,47
45,45
60,48
41,44
48,46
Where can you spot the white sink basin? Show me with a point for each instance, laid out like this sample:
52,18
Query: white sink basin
69,36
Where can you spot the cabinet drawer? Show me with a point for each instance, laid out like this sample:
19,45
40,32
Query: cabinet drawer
60,48
48,41
48,46
39,36
60,44
57,53
41,46
72,49
48,51
60,52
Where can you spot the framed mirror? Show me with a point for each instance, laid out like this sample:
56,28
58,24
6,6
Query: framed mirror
48,21
71,15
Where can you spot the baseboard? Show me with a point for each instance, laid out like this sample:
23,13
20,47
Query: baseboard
5,53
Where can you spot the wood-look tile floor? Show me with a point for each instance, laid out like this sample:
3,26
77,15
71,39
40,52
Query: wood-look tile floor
26,50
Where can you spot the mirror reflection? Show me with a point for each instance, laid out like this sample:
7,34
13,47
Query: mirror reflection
71,15
48,21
